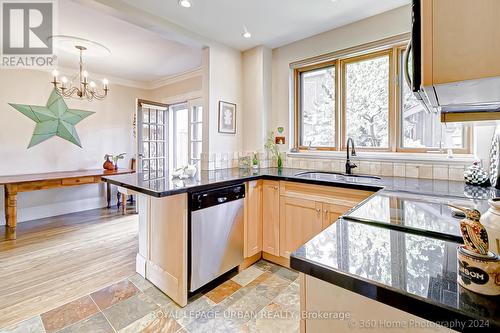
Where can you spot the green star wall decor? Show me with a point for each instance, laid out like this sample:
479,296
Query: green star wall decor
55,119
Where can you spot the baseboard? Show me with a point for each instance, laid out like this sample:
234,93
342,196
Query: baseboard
285,262
249,261
140,265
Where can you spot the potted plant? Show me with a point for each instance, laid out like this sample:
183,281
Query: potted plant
108,165
273,149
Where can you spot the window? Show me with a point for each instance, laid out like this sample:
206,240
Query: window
187,133
317,101
366,98
422,129
152,139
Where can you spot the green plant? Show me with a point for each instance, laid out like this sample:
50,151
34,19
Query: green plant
115,158
273,149
255,158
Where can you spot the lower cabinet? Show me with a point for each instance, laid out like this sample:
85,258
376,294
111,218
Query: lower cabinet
253,218
271,217
281,216
300,220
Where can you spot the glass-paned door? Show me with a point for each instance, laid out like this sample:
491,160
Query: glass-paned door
152,139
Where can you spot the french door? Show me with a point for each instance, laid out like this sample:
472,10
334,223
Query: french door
152,134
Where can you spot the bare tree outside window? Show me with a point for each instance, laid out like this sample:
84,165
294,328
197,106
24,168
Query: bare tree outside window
367,102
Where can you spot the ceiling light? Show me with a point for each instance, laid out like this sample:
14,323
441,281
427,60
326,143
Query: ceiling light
246,33
185,3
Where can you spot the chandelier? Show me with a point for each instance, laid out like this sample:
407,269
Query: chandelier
85,89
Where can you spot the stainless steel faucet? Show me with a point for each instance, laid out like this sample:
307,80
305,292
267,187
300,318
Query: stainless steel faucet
348,164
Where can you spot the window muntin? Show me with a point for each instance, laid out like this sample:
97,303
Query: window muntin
366,104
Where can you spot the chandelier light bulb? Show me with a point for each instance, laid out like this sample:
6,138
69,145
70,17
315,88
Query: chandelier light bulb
85,74
92,84
55,73
105,82
64,79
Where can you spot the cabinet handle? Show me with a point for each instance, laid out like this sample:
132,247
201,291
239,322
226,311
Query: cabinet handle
318,210
275,187
325,211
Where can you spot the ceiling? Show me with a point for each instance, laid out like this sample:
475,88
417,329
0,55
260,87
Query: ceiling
271,22
136,53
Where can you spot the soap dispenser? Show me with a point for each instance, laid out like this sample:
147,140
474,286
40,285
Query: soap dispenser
478,267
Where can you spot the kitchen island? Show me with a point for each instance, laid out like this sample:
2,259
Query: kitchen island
408,265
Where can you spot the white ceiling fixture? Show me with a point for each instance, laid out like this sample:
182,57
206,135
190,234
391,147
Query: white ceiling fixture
274,22
138,55
246,34
185,3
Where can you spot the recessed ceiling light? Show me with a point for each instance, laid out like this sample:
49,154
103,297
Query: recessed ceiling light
185,3
246,34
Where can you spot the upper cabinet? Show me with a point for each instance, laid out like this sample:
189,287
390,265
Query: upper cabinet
456,52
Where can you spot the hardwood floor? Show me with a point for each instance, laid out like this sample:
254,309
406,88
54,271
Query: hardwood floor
59,259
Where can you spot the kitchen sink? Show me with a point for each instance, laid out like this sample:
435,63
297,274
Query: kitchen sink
332,176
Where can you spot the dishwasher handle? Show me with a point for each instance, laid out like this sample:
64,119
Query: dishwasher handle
217,196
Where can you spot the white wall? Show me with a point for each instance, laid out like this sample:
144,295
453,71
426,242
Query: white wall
225,84
109,130
256,97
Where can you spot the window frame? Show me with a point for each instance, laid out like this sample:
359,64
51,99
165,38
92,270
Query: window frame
298,102
367,56
395,140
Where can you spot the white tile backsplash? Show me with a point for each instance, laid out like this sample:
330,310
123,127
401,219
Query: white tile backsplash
440,170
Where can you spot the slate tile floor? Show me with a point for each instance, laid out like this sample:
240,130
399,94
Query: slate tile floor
262,298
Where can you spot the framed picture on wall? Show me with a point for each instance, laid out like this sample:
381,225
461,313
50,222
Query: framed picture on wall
227,117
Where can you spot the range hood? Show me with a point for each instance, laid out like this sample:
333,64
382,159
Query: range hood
471,100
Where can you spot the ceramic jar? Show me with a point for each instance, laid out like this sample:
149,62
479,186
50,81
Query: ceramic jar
478,273
476,174
491,221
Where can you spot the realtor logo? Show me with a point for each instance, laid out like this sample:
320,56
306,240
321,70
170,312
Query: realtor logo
26,27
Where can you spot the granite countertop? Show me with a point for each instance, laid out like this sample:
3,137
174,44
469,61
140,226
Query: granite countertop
207,179
413,273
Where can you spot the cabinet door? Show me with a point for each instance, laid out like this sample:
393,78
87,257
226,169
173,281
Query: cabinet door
270,217
253,218
300,220
332,212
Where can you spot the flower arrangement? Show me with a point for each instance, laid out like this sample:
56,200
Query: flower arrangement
115,158
273,149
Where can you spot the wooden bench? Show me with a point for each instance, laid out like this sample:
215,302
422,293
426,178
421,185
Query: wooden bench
44,181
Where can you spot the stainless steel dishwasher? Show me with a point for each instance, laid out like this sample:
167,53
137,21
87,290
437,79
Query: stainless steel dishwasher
216,234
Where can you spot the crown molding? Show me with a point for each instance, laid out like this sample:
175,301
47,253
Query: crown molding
146,85
171,79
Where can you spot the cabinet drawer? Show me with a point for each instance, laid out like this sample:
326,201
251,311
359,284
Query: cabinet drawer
78,181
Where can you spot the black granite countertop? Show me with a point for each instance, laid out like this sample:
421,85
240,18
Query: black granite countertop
413,273
207,179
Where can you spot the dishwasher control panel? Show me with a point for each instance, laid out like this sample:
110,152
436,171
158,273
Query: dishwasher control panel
217,196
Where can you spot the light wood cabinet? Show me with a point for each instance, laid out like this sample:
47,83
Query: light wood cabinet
332,213
253,218
271,217
307,209
300,220
460,40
